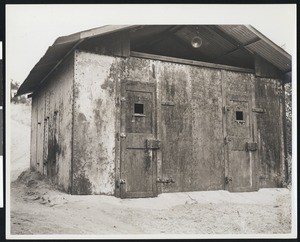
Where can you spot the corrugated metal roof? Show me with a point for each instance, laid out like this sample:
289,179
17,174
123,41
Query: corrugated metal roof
216,43
257,43
240,32
46,64
237,58
273,56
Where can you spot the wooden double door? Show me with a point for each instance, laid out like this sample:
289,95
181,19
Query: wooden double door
139,144
138,140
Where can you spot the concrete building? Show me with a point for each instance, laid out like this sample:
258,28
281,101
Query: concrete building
134,111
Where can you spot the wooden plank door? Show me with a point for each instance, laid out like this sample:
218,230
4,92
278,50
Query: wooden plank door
138,140
239,133
240,146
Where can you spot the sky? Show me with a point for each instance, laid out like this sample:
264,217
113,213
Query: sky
31,29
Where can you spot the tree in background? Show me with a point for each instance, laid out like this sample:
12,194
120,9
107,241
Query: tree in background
288,103
14,86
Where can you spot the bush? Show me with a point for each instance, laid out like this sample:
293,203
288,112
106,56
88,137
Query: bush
288,106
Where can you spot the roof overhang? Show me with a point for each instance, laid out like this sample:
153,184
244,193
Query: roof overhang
244,36
58,52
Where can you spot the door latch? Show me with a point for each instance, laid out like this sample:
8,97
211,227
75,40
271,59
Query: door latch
226,108
228,179
259,110
152,144
251,146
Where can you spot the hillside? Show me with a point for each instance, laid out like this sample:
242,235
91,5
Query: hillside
20,138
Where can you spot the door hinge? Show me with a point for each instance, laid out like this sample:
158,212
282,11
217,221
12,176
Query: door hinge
123,135
227,139
228,179
152,144
123,99
167,103
259,110
118,101
122,181
167,180
251,146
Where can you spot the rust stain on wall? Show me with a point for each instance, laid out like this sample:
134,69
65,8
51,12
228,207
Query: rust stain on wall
94,141
108,84
82,184
51,155
139,70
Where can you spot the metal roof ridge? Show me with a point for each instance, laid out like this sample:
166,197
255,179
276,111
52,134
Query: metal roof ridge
90,33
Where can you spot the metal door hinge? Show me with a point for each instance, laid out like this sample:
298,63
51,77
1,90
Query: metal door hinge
123,135
251,146
168,180
259,110
123,99
117,100
122,181
227,139
152,144
167,103
228,179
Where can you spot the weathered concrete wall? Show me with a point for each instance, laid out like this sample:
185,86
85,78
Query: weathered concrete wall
94,124
51,138
270,134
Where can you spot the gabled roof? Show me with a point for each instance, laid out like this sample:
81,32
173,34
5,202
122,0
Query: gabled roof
224,44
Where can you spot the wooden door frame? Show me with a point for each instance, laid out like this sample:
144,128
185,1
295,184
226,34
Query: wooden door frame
120,188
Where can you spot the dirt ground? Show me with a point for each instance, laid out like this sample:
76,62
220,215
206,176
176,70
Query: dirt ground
37,207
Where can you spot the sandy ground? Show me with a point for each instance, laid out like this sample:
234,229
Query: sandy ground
20,139
37,207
